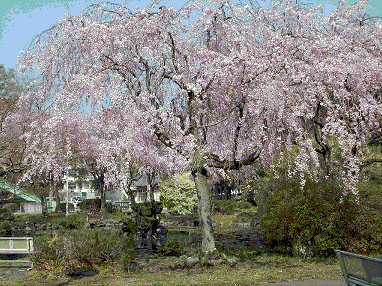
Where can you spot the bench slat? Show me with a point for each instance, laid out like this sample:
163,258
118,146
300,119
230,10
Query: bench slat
15,251
359,282
360,270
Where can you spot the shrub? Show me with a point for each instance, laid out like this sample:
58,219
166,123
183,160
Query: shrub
61,207
370,216
128,227
5,228
73,221
318,219
170,248
243,205
11,207
228,207
178,194
128,261
76,247
224,207
90,205
246,217
5,214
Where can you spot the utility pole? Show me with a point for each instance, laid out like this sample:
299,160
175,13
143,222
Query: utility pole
67,194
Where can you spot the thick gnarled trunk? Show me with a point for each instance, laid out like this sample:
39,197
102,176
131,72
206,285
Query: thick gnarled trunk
205,211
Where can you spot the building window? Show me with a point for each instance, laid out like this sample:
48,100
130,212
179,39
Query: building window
72,173
141,195
71,186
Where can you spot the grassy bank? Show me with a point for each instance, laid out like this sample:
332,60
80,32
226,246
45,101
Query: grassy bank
265,268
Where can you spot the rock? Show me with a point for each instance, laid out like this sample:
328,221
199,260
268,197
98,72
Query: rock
215,261
74,272
192,261
232,261
87,225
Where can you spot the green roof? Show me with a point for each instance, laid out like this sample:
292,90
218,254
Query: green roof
19,192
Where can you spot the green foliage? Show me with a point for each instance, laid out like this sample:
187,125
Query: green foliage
243,253
128,261
11,207
16,202
149,209
317,220
229,207
90,205
73,221
225,207
76,247
179,194
246,217
5,227
370,215
170,248
243,204
10,90
128,227
61,207
5,215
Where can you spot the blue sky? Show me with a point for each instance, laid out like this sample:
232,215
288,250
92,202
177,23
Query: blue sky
21,20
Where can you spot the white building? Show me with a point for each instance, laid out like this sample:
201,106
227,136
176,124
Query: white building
78,187
141,189
84,188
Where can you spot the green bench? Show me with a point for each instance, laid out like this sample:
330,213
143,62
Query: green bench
16,245
359,270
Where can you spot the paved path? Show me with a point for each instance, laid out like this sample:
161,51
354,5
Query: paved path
310,282
12,274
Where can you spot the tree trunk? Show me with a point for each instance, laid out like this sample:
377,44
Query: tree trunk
150,185
103,197
150,192
44,207
132,198
205,211
55,195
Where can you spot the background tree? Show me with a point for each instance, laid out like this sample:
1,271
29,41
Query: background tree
11,123
179,193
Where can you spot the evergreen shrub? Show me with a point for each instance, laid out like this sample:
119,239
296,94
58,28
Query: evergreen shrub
225,207
319,219
11,207
90,205
170,248
61,207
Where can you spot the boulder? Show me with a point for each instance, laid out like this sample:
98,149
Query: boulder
232,261
192,261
